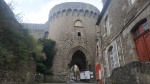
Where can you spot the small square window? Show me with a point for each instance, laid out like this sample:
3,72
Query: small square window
79,34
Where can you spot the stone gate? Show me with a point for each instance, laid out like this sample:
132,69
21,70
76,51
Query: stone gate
72,26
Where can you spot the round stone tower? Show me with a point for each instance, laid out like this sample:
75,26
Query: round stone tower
72,26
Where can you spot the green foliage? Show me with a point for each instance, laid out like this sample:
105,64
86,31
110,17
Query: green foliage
41,68
37,54
15,43
49,50
5,56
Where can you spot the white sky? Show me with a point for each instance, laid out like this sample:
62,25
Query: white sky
36,11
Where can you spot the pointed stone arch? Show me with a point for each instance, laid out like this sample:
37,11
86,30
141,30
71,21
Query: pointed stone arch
79,59
78,48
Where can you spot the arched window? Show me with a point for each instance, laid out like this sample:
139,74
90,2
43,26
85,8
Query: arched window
131,2
113,54
140,28
46,34
111,58
78,23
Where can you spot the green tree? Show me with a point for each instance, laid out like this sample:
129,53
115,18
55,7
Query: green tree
49,50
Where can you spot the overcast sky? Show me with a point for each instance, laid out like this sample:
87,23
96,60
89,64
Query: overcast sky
36,11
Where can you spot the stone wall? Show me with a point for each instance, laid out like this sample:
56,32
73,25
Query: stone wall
132,73
18,73
36,30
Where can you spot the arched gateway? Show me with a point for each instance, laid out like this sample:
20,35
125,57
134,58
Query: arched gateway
77,64
78,59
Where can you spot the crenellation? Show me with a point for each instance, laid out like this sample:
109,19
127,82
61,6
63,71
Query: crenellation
74,12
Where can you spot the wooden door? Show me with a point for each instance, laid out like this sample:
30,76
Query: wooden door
147,42
98,73
142,41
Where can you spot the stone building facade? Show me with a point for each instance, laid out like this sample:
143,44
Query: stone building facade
72,26
124,42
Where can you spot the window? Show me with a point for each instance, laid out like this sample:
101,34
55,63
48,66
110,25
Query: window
97,50
131,2
140,29
145,26
78,23
79,34
113,52
46,34
107,27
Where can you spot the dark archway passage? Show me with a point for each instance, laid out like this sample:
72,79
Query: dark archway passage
79,59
